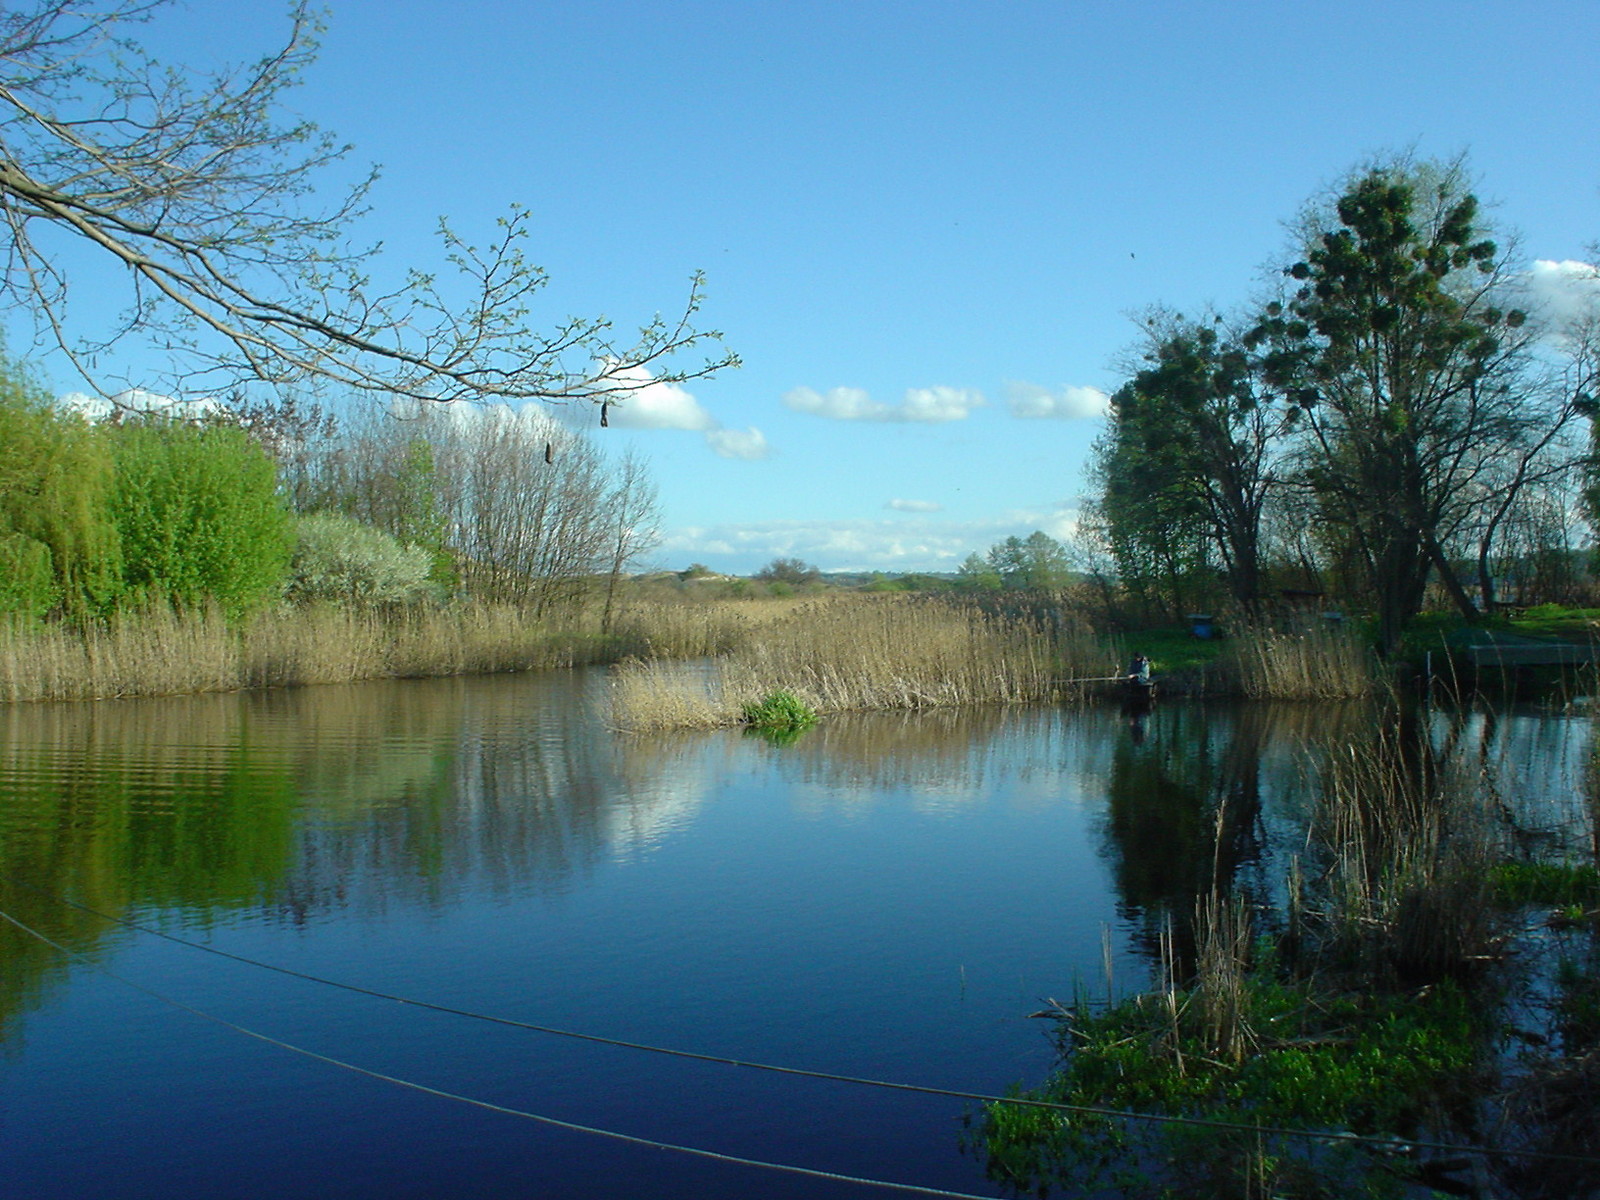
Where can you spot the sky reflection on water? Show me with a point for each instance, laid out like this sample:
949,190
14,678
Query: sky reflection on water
890,895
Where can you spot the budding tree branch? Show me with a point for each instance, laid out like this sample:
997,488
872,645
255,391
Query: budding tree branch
201,190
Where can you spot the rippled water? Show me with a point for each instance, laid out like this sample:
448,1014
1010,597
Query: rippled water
890,896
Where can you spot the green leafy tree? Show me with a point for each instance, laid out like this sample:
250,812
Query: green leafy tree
1187,457
977,574
1148,510
1409,368
199,515
1035,563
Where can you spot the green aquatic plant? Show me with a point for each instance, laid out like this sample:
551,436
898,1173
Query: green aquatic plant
1383,1066
781,709
1569,885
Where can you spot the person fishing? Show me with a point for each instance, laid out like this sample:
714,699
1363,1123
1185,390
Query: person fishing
1139,670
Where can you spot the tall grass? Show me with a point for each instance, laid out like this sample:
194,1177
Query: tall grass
162,653
151,655
1318,663
868,652
690,629
1408,842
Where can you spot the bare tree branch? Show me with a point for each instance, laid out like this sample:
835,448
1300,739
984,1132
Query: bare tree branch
201,189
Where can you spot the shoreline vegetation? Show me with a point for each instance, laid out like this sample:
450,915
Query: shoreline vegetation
1418,999
677,664
695,662
1425,971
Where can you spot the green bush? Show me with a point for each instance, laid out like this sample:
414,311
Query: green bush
27,583
779,710
339,558
199,516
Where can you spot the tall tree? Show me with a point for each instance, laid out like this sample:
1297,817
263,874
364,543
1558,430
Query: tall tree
201,188
1189,453
1409,366
634,517
1035,563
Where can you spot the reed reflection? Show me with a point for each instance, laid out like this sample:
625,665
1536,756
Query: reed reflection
945,760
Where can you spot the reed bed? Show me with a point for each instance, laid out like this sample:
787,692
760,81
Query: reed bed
691,630
867,653
149,655
161,653
1408,841
1313,664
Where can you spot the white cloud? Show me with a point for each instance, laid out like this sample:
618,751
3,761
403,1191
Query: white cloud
916,542
1029,400
647,403
1565,293
934,404
137,400
748,444
940,403
915,506
840,403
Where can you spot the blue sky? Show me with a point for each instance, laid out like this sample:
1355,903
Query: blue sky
924,227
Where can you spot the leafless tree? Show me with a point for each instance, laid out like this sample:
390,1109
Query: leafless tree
634,515
203,191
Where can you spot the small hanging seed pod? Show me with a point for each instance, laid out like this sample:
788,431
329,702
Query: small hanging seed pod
604,404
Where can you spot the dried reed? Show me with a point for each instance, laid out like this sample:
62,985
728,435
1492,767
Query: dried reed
1408,844
1222,961
867,653
161,653
1319,663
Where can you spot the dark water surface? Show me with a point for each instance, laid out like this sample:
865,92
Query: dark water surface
890,896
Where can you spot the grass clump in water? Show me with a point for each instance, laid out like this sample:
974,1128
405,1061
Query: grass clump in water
779,710
1376,1065
1563,884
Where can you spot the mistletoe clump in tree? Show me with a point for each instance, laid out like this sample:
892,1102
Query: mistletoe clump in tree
1412,371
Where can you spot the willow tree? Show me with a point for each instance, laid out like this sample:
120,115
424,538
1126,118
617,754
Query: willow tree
201,192
59,550
1399,347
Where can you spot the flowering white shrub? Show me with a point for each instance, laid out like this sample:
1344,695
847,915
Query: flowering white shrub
339,558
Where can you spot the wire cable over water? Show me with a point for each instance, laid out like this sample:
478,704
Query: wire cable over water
489,1105
1326,1136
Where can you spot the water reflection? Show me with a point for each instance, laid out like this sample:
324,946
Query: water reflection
888,893
947,761
296,798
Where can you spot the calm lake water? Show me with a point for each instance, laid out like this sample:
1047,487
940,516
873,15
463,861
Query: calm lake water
889,896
